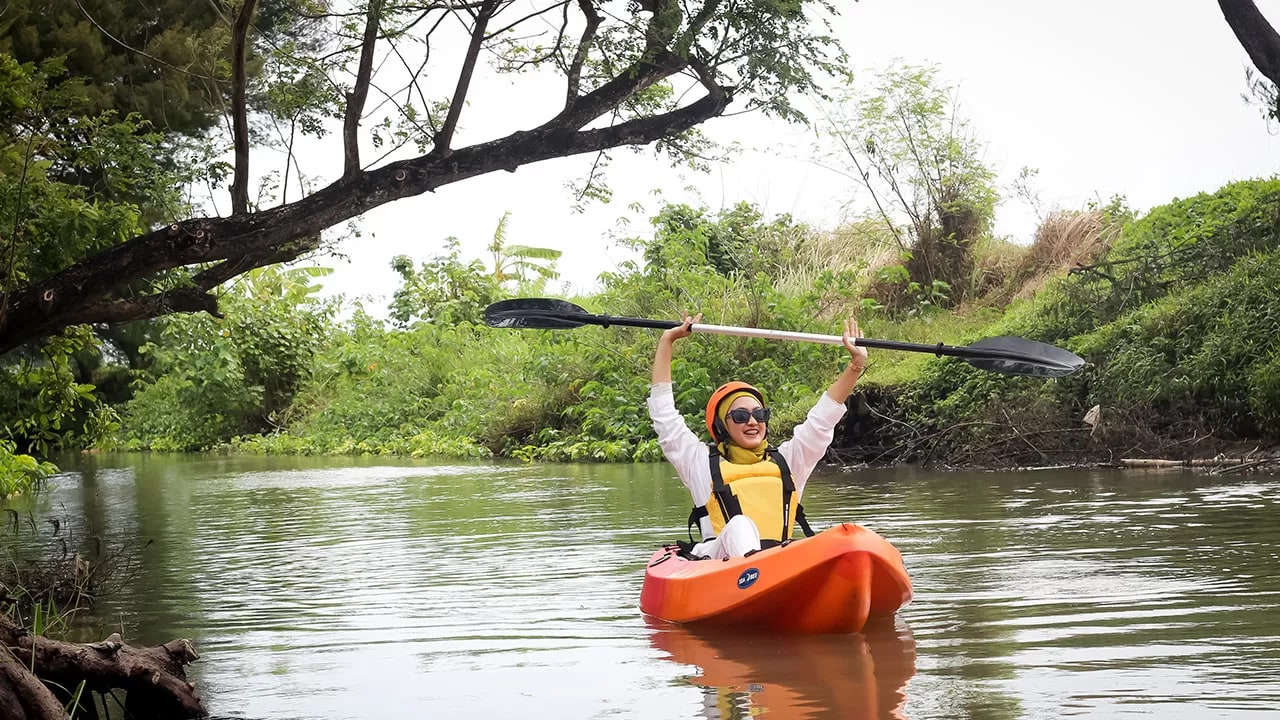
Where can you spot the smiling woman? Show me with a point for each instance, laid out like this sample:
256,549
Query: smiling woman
756,488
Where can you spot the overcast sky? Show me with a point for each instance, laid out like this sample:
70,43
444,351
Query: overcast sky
1140,98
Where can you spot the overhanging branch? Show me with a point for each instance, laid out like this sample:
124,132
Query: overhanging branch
1255,34
83,292
148,306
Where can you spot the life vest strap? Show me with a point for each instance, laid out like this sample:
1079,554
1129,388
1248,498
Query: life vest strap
695,520
802,521
788,489
731,507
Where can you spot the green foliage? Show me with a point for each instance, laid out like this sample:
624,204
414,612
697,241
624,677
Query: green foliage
736,241
376,391
20,473
214,378
1201,353
1173,353
1179,325
165,60
63,196
520,263
447,385
1172,248
42,406
922,166
443,289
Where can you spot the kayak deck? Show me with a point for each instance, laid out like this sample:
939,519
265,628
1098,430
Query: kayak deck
832,582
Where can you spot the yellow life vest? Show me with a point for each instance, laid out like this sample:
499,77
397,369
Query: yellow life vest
762,491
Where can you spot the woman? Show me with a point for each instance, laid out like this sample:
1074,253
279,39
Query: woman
745,493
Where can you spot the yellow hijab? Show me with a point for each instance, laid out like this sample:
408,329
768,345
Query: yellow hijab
732,452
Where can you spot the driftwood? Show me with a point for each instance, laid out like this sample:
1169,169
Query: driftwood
153,678
1231,464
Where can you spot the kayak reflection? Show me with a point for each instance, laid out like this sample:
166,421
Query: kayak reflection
789,677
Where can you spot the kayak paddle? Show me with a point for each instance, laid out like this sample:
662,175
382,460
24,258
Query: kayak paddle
1007,355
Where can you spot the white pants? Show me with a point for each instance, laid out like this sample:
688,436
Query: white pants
738,537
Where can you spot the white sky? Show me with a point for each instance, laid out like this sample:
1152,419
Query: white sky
1134,97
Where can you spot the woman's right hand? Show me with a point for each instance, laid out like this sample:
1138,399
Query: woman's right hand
857,353
684,329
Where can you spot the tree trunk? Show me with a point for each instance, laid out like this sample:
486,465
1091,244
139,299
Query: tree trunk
153,679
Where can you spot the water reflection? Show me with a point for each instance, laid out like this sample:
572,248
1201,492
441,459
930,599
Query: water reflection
860,676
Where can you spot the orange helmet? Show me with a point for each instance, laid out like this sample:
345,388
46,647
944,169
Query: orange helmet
714,426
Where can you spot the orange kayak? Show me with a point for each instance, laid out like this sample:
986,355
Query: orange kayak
832,582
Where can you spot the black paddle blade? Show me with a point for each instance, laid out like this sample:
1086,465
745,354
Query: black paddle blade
1015,356
534,313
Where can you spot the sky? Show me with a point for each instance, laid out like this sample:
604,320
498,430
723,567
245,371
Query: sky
1141,98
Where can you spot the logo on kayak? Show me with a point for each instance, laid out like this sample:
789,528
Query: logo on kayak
748,578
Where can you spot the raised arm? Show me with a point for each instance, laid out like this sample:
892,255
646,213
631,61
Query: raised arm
840,389
662,356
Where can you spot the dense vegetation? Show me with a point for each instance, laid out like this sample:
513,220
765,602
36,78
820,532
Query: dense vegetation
1179,324
1172,311
1175,312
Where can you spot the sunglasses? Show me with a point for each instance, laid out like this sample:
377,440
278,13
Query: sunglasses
742,415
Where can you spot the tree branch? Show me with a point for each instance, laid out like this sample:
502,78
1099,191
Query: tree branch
148,306
359,93
445,138
154,678
574,71
1255,34
287,231
627,83
239,106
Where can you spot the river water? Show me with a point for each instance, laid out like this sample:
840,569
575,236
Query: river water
373,588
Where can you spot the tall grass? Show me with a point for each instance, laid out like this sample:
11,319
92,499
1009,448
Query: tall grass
1064,240
860,247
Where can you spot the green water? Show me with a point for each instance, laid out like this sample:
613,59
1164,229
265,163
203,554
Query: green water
323,588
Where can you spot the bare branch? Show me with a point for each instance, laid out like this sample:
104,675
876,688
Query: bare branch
445,138
696,25
574,73
562,4
359,92
239,106
864,179
624,85
591,176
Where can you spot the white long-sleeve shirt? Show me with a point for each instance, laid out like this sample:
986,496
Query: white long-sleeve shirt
689,455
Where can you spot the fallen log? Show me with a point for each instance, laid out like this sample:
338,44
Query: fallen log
1150,463
1215,462
153,678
